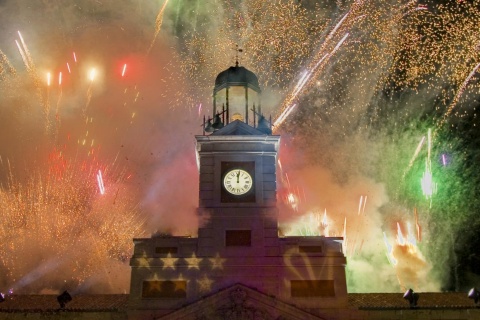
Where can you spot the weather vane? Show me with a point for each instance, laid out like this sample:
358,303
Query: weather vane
236,57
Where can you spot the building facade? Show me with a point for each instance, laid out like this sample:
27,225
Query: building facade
238,244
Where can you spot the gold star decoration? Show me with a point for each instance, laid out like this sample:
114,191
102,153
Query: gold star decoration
217,262
169,262
204,284
143,262
193,262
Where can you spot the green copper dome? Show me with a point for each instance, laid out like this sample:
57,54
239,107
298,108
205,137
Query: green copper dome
236,76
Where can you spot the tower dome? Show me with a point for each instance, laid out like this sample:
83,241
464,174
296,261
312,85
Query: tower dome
237,95
236,76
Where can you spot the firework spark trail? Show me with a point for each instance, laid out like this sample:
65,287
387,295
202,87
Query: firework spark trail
91,76
283,116
304,82
60,86
101,186
361,205
158,25
22,54
5,66
421,7
418,228
313,70
429,187
27,52
414,157
30,66
458,95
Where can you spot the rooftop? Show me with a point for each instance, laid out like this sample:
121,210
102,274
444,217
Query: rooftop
118,302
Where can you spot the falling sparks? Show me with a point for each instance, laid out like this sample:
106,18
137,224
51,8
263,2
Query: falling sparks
429,187
158,24
101,187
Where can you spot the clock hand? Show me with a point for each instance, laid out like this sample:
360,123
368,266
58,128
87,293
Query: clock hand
238,176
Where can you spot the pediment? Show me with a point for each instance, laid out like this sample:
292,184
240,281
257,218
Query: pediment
240,302
238,128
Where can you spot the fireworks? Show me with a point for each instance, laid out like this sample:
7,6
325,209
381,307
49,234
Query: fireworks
55,218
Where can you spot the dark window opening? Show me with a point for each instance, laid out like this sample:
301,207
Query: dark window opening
166,250
238,238
310,249
164,289
312,288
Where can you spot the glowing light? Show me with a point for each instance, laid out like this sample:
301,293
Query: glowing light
92,74
48,78
428,186
60,78
68,67
324,225
124,69
74,57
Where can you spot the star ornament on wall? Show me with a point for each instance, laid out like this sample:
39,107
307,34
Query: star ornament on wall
193,262
143,262
217,262
169,262
204,284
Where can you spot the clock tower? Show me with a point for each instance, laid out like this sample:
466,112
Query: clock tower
238,253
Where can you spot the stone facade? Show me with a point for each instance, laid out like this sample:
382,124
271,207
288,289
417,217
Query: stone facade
238,242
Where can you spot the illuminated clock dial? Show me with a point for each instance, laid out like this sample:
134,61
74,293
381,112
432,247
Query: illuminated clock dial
237,182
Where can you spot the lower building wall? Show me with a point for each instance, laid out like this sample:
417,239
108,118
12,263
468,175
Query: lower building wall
327,314
71,315
417,314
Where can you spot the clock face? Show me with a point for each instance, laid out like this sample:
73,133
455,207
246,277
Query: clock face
237,182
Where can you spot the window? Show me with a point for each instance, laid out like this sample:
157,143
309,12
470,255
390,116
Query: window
164,289
238,238
310,249
312,288
166,250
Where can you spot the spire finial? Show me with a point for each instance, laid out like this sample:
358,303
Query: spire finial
236,57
